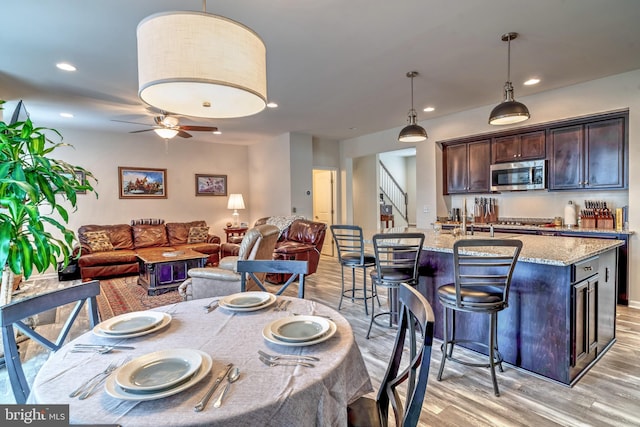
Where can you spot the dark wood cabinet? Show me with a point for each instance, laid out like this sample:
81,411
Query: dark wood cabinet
584,322
515,148
588,156
466,167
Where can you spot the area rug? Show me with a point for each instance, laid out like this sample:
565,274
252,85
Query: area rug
123,295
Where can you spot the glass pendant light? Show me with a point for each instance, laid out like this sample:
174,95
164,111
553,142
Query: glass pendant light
508,111
412,132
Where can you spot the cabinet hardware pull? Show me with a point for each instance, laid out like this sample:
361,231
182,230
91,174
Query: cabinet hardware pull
587,268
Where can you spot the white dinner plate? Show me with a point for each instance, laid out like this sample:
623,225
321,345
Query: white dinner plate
299,328
266,333
113,389
158,370
270,300
246,299
166,319
130,323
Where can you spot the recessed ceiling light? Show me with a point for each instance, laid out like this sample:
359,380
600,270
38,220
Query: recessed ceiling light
533,81
429,109
66,115
272,105
217,132
65,66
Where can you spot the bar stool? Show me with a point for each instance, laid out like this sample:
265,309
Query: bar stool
350,246
397,256
481,285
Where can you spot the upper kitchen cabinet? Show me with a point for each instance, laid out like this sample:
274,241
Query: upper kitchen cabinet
466,167
516,148
589,155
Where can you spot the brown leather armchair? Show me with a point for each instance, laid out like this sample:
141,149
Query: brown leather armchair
301,240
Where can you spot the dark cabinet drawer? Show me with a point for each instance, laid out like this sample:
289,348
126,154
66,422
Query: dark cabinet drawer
585,269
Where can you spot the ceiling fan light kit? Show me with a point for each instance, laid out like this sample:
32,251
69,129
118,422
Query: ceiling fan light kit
166,133
509,111
201,65
412,132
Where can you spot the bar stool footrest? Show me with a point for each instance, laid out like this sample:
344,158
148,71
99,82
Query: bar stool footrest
497,360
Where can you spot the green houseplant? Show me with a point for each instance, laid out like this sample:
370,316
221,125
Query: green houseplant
36,191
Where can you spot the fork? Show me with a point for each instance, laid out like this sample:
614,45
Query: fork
211,306
279,306
110,368
270,362
288,357
99,380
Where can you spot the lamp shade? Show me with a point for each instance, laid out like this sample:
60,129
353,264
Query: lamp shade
201,65
509,112
166,133
235,201
412,133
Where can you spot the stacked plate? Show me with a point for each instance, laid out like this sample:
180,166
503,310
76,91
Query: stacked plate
247,301
132,324
299,331
159,374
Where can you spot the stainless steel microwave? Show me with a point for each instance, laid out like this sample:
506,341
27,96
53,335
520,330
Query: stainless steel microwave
531,175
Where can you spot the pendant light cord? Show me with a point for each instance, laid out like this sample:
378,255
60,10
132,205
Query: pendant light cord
509,58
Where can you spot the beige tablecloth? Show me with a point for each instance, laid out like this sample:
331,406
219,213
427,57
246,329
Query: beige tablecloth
264,396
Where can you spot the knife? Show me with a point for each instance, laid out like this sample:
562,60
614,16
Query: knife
203,402
119,347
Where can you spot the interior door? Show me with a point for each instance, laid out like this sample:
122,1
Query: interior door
323,203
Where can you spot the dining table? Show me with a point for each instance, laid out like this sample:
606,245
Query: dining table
263,395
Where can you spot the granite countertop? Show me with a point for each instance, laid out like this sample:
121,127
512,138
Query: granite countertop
544,228
550,250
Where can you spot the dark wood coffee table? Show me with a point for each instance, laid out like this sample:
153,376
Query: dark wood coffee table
163,271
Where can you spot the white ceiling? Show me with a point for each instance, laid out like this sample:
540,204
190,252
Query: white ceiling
336,68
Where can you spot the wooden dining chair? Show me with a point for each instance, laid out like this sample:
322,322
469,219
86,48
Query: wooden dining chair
12,318
416,319
249,268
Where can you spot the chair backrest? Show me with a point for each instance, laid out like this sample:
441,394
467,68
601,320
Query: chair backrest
348,240
485,265
416,319
397,253
297,269
259,242
13,314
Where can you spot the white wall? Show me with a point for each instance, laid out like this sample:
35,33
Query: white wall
270,181
102,153
366,211
612,93
301,170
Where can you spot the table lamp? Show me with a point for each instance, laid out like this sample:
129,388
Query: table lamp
235,202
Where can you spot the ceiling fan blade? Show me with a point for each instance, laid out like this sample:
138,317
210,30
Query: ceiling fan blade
184,134
199,128
138,131
133,123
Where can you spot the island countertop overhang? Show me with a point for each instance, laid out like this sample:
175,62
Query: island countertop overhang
548,250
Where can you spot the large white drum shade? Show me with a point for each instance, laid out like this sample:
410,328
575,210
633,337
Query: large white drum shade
201,65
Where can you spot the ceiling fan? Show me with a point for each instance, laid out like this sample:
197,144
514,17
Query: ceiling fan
168,126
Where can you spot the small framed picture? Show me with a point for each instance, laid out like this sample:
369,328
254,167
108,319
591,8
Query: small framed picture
142,183
82,179
211,185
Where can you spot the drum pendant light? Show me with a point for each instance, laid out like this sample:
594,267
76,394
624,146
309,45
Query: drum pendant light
412,132
201,65
509,111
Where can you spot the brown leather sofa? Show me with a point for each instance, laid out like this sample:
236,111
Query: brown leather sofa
119,256
300,239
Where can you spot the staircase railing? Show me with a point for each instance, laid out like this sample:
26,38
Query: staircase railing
393,192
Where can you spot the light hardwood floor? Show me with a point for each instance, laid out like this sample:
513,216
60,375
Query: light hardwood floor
608,395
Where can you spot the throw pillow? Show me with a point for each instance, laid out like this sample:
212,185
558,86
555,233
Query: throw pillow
198,234
98,241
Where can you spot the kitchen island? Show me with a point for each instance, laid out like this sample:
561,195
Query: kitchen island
562,303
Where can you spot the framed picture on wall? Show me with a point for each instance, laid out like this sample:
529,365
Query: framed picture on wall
142,183
211,185
80,177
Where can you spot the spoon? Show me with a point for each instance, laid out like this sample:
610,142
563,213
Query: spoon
231,378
